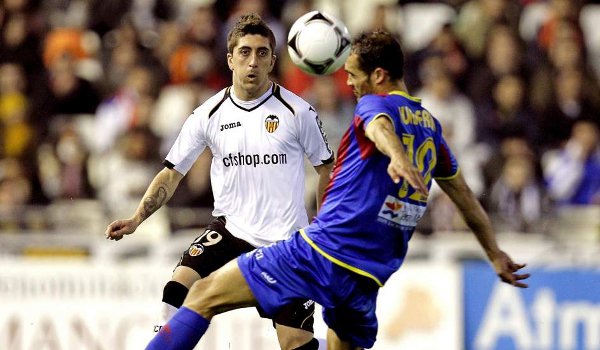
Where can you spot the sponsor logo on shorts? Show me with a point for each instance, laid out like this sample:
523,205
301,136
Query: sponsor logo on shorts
268,278
308,304
259,254
196,249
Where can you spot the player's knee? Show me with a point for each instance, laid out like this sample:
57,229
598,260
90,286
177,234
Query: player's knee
174,293
313,344
203,298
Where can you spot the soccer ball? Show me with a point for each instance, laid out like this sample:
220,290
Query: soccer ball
318,43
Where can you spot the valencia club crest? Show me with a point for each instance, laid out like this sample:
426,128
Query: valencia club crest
271,123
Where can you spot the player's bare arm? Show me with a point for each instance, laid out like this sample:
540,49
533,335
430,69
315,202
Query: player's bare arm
158,193
479,222
381,132
324,171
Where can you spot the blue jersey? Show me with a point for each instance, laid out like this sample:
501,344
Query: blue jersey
366,220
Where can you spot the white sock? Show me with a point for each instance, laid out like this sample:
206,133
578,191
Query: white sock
167,311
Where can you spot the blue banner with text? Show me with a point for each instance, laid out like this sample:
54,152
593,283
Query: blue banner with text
559,311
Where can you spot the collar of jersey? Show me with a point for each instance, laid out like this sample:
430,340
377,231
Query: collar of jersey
252,103
404,94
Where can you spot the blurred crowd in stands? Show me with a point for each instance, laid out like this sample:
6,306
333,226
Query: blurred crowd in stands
94,92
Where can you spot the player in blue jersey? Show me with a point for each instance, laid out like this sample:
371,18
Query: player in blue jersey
378,192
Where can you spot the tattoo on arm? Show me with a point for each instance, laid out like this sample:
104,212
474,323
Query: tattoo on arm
153,202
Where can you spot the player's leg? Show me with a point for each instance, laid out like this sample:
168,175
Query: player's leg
294,325
295,339
335,343
224,290
175,291
353,324
209,251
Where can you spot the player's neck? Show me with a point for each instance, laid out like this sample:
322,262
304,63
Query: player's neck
251,95
390,86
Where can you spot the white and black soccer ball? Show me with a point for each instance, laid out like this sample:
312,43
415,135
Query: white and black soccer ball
318,43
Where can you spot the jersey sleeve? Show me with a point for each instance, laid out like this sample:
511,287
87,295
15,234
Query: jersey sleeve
447,166
189,144
313,138
371,107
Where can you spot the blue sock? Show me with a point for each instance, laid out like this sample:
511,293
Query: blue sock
182,332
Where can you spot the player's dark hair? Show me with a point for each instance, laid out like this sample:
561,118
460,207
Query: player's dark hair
379,49
249,24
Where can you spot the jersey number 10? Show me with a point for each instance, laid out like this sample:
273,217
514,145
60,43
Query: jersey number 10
424,164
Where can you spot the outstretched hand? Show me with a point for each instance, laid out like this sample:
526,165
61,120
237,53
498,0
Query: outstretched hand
507,270
117,229
403,169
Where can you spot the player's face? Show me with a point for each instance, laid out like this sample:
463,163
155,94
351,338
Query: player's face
359,80
251,62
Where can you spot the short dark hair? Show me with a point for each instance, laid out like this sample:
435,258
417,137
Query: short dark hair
379,49
249,24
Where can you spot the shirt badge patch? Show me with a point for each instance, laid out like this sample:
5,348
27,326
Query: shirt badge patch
390,208
398,213
271,123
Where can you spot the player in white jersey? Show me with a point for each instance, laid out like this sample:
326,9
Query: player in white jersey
258,133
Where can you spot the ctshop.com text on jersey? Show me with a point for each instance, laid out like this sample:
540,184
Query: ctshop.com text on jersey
254,160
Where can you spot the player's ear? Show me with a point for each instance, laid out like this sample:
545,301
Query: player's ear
273,60
230,61
379,75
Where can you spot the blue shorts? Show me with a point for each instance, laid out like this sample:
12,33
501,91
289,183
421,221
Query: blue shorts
289,270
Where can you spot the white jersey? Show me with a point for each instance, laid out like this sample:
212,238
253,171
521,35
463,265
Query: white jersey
257,171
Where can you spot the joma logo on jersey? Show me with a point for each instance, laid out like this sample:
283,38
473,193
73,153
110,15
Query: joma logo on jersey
230,125
271,123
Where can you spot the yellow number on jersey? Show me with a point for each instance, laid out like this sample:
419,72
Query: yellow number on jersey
418,158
